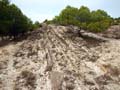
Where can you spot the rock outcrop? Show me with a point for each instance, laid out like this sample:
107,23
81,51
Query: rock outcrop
112,32
58,58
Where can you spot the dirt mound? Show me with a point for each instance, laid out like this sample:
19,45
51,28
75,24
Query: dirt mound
55,58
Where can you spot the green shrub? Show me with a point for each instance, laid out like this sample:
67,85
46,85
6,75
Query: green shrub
95,21
12,21
94,27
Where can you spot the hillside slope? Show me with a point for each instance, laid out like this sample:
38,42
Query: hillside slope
54,58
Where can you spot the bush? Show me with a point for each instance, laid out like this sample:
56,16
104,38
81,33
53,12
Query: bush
68,16
95,21
12,21
36,25
94,27
116,21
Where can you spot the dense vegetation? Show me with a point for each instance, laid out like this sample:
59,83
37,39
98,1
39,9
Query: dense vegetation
95,21
12,21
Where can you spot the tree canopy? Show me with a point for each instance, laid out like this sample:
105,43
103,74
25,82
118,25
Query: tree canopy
12,20
95,21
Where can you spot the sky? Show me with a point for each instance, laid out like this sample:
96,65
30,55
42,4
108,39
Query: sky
39,10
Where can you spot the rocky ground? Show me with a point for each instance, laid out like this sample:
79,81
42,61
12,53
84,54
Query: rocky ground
112,32
56,58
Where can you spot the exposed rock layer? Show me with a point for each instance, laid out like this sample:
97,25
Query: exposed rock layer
56,58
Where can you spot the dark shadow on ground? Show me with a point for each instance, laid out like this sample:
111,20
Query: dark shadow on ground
14,41
92,42
4,43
